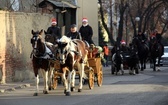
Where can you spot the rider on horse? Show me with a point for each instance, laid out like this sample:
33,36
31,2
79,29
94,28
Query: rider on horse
143,39
141,36
158,37
123,47
54,29
74,34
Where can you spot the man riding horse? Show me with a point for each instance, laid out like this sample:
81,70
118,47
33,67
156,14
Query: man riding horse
158,38
142,37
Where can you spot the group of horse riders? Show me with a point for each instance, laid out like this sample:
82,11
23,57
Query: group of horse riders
143,41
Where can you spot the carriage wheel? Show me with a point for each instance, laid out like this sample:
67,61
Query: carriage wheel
100,77
91,79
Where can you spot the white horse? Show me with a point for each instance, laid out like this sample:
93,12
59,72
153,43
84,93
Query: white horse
72,52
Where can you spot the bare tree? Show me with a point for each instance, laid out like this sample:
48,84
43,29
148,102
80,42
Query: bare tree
101,11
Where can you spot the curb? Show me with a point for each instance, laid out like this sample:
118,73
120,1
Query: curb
14,88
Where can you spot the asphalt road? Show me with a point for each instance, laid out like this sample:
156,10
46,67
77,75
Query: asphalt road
146,88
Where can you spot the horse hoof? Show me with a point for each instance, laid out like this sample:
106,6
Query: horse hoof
35,94
122,72
68,94
45,92
79,90
72,89
50,88
158,70
65,91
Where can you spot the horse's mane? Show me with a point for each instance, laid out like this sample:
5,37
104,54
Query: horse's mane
64,39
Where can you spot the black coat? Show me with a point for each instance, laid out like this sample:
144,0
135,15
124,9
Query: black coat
158,37
86,33
75,35
142,37
54,30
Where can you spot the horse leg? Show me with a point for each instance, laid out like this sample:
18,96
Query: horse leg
73,80
136,69
36,82
50,77
141,65
45,78
154,64
122,69
68,92
65,81
81,73
144,62
158,69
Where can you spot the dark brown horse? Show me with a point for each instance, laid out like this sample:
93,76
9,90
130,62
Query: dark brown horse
49,37
155,52
40,56
72,52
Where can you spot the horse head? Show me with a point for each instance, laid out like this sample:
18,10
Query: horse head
37,43
49,37
63,48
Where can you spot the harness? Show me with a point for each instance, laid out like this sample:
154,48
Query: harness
45,55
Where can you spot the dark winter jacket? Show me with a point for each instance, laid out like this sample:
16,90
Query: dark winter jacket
86,33
54,30
75,35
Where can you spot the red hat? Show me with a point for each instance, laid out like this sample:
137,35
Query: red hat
123,42
54,21
84,20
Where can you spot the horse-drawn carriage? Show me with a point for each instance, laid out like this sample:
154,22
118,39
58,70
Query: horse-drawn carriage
70,53
93,72
73,59
125,61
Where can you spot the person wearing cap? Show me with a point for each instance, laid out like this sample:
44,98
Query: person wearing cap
54,29
123,47
86,31
141,36
74,34
158,38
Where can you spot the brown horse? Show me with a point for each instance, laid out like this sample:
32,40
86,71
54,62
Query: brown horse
40,60
72,52
49,37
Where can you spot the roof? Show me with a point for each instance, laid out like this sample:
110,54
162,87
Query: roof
58,4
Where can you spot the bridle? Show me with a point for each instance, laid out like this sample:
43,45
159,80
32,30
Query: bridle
35,52
63,50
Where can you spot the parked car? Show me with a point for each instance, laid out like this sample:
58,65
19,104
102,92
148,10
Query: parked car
164,58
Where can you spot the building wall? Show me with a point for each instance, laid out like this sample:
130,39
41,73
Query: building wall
15,47
89,9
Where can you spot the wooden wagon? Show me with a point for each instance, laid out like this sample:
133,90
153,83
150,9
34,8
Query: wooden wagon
93,71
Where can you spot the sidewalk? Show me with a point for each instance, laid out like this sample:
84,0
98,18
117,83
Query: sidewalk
12,86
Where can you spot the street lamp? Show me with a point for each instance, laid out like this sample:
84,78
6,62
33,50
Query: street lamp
137,19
